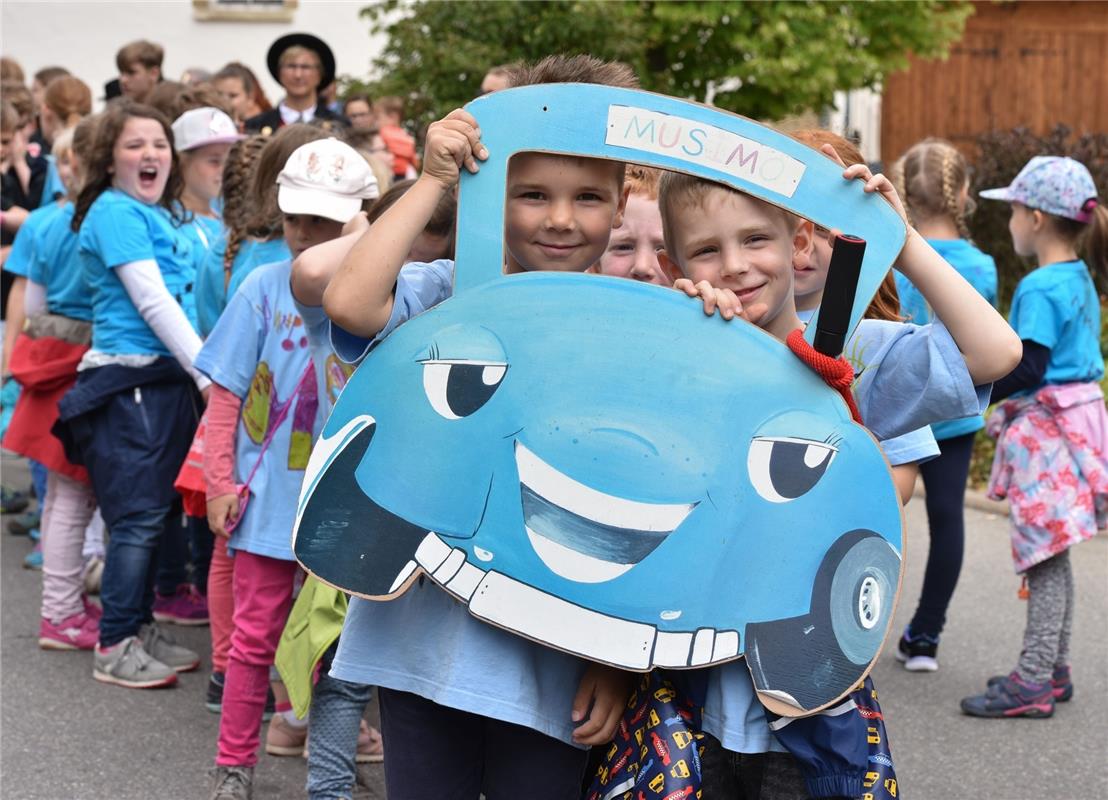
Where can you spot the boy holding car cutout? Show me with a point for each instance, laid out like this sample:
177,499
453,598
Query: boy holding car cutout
493,712
419,288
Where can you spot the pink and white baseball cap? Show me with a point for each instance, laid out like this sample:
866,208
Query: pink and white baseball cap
198,127
1054,184
326,178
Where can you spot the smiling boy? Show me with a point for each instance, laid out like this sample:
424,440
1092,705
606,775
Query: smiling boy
495,713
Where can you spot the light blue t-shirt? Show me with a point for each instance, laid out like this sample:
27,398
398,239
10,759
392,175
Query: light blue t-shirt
259,351
22,255
907,376
120,230
58,269
979,270
53,188
1057,307
332,372
914,446
211,297
427,643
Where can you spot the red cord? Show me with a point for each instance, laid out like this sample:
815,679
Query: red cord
836,372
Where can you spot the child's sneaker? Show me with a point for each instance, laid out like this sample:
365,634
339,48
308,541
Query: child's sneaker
33,560
165,649
22,525
35,534
917,653
11,501
284,739
214,699
186,606
1061,685
78,632
1012,697
128,664
232,783
93,610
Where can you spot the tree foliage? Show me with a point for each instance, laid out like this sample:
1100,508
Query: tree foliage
763,59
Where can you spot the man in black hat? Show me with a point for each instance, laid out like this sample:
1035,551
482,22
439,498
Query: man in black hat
303,64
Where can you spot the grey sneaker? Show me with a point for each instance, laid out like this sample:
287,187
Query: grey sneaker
128,664
232,783
164,647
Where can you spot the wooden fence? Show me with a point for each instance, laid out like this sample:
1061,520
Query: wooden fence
1031,64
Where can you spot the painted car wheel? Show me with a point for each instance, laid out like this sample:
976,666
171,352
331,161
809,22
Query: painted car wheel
861,596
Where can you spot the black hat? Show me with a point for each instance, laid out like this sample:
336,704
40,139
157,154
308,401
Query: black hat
313,43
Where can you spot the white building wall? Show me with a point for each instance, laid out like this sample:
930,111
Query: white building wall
84,35
858,113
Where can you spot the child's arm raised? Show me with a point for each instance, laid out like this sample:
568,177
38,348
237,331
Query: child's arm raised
988,344
359,297
313,269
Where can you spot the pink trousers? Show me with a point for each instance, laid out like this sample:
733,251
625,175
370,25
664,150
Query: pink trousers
66,514
263,596
221,603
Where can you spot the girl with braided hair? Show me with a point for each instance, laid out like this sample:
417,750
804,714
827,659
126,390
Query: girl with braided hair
932,178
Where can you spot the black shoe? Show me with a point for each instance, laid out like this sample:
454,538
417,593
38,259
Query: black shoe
214,701
918,653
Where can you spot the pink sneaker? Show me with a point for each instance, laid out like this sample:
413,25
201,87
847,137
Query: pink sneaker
79,632
184,607
94,611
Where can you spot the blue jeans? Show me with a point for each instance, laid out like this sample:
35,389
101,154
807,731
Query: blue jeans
127,587
38,480
336,713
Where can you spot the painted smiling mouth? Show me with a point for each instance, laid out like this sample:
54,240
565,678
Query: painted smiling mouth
583,534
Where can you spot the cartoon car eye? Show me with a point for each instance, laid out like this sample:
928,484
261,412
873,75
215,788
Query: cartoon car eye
783,468
457,388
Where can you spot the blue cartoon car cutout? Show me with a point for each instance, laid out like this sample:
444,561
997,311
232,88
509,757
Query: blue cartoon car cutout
592,463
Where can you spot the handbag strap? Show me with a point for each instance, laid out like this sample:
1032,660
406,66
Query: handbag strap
282,413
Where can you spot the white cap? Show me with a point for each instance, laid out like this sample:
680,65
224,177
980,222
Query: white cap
198,127
326,178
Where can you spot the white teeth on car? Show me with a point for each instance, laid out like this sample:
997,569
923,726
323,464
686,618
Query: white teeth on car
403,575
573,565
606,509
539,615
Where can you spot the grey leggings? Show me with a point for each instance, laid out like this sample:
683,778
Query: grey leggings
1046,640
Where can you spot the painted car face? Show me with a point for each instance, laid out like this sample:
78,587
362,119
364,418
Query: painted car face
647,488
641,534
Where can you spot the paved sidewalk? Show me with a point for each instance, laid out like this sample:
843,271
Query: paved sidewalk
66,737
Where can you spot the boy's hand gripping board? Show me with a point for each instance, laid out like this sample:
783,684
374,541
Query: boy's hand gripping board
592,463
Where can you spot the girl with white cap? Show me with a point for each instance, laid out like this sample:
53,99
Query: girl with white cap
262,418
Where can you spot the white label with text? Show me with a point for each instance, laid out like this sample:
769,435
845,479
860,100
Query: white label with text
705,145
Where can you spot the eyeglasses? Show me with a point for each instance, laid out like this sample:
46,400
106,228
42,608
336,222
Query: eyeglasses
300,67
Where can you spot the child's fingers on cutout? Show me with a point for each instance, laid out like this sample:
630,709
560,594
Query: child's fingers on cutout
707,294
833,154
685,285
730,306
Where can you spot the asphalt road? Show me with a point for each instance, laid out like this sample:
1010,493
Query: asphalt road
67,737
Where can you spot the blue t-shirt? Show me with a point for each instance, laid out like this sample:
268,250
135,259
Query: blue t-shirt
22,255
426,642
332,372
57,267
257,254
911,447
259,351
907,376
202,233
211,297
53,188
979,270
120,230
1057,307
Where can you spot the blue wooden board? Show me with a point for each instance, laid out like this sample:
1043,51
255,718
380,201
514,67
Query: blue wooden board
592,463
